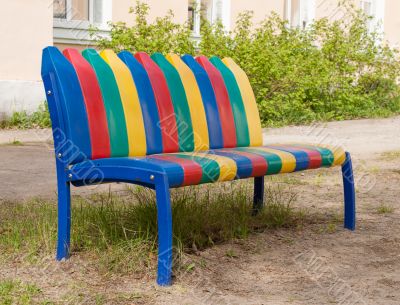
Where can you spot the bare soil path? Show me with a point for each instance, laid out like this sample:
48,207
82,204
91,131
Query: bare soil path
27,167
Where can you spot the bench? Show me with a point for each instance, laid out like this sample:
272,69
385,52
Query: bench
164,122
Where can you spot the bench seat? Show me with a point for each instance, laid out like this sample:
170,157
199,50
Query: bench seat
162,122
191,168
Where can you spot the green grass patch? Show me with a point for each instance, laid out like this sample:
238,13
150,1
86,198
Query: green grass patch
22,120
391,155
16,142
16,292
384,209
119,234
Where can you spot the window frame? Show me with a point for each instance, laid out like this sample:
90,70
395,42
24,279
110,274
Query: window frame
377,14
307,12
225,16
68,30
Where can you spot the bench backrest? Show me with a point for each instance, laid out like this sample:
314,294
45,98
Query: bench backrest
110,105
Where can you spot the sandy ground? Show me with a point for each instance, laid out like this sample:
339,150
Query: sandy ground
27,169
319,263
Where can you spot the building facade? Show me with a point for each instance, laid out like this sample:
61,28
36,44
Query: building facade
28,26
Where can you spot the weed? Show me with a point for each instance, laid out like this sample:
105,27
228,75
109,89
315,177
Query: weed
22,120
231,254
384,209
391,155
16,142
17,292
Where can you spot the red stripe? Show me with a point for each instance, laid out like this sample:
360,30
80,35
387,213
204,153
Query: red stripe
259,164
165,107
192,171
313,155
97,119
222,97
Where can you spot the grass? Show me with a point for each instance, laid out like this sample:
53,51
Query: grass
119,234
391,155
384,209
16,292
16,142
22,120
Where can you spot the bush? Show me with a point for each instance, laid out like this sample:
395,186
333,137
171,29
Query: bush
332,70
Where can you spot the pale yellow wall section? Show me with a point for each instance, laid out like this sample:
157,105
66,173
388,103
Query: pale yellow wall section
26,28
249,101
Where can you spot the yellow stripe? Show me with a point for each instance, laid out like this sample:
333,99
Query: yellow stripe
288,160
339,155
193,95
249,101
130,102
227,166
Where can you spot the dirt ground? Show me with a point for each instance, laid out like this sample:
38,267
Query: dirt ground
319,263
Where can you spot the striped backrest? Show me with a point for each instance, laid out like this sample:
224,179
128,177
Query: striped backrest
117,105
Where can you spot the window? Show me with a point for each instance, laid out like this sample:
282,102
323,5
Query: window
211,10
60,9
300,13
376,10
72,19
92,11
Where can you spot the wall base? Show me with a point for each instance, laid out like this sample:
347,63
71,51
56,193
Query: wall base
19,95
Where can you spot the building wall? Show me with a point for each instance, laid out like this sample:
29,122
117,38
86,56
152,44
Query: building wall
329,9
260,9
26,27
392,22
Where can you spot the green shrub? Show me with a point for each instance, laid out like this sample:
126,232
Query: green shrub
332,70
163,35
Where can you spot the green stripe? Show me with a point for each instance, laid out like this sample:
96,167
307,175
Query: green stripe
326,154
179,100
112,103
210,168
235,97
273,160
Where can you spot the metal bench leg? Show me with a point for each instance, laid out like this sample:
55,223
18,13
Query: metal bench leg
164,216
258,197
64,217
349,194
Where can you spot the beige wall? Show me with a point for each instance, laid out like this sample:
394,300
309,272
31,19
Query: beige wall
328,8
392,22
158,8
261,9
26,27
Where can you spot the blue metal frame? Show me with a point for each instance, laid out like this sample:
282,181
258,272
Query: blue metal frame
349,194
258,197
140,173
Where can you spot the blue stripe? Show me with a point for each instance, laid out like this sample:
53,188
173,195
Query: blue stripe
174,170
302,159
74,115
244,164
147,101
209,101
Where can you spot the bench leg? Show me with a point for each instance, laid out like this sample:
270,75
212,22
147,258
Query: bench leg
164,216
64,219
258,197
349,194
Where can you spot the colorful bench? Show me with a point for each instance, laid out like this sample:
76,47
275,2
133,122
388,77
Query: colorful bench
163,122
